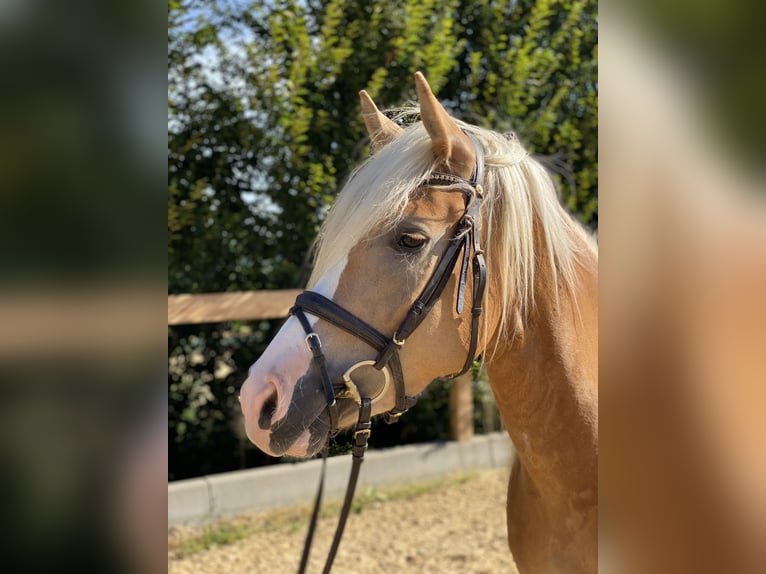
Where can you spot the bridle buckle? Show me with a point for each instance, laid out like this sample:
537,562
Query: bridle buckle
314,336
392,418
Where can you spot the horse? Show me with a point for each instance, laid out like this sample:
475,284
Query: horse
392,257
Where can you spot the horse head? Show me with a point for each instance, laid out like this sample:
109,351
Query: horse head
398,236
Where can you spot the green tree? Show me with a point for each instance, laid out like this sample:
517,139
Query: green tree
531,67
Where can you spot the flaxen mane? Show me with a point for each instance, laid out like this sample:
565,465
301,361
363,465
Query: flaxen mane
520,198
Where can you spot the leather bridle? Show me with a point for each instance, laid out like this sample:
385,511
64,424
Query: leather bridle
465,245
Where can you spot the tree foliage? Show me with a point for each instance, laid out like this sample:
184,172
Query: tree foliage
264,126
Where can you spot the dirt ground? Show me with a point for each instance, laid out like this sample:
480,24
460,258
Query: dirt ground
454,525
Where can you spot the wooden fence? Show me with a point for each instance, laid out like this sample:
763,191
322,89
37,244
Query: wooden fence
236,306
255,305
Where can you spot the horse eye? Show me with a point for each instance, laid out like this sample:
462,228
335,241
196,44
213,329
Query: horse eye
411,242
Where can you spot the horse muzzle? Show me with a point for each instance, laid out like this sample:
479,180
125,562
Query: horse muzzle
282,418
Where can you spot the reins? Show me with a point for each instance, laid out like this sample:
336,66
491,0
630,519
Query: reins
464,242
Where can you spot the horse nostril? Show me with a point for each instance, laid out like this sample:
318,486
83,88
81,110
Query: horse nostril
267,411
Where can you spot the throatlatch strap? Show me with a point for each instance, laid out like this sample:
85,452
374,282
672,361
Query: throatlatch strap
463,277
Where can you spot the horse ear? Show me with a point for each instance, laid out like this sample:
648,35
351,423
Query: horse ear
379,127
451,146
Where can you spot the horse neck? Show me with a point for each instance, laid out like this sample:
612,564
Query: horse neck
545,383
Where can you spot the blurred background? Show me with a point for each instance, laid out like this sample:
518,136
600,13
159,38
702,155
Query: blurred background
682,272
264,127
98,96
82,286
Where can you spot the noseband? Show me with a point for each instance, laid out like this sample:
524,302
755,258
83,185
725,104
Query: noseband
465,241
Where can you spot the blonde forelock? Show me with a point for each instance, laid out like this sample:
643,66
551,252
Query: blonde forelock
519,195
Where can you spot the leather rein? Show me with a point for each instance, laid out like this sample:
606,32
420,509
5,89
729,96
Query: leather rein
464,245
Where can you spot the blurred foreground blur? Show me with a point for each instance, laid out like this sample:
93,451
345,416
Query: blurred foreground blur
83,438
683,314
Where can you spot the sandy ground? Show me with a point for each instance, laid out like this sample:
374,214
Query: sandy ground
456,525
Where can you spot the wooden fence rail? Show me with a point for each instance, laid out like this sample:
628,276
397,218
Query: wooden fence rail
234,306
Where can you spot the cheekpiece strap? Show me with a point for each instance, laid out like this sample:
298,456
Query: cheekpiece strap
314,344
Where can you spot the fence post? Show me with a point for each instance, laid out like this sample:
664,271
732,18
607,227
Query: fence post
461,408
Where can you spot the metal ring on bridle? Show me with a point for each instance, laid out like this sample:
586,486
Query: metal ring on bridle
352,386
